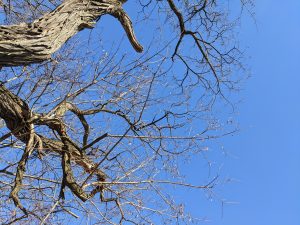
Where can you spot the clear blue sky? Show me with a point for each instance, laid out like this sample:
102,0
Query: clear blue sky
266,162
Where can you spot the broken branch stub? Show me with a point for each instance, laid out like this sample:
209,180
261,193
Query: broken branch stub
35,42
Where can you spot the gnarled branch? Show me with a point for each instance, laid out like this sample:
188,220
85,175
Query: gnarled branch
20,120
35,42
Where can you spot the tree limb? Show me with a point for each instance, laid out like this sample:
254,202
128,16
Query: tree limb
24,44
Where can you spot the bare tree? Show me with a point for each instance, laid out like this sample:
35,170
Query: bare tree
78,122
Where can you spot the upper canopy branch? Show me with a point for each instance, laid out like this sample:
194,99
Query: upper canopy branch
35,42
200,43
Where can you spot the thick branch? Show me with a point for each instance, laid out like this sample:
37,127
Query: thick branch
21,170
17,117
68,177
32,43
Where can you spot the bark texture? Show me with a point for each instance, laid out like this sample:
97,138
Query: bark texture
35,42
19,120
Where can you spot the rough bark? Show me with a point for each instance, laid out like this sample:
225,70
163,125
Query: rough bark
18,118
35,42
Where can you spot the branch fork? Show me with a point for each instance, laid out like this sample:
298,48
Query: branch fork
21,120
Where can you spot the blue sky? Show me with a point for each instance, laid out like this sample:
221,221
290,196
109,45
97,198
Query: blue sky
266,151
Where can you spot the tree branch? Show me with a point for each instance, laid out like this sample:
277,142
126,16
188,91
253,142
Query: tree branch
24,44
20,120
